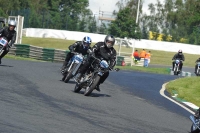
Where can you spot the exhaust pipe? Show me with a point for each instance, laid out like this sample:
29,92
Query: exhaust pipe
193,120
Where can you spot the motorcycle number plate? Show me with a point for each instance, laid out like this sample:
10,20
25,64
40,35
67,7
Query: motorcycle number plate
3,42
78,58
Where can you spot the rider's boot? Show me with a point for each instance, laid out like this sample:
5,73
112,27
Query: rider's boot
97,87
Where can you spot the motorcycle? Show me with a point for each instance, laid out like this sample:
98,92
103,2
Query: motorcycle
3,44
91,78
72,67
195,128
198,69
177,67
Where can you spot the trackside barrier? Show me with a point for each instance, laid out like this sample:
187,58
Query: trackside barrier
39,53
45,54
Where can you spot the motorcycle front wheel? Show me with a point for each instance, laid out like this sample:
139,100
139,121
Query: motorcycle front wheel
95,81
198,72
194,130
69,74
176,71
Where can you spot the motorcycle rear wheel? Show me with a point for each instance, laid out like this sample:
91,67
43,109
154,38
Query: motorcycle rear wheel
77,88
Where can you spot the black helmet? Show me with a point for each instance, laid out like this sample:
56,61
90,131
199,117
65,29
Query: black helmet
109,41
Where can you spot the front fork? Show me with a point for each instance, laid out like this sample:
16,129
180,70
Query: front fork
76,69
95,75
1,50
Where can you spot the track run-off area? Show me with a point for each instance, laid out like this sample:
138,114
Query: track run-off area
33,99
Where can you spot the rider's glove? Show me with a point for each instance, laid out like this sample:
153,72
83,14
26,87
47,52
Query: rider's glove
89,51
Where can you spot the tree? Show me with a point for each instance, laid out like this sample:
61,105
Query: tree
71,11
103,28
92,25
124,25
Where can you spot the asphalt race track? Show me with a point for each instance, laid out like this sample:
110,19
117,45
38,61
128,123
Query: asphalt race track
34,100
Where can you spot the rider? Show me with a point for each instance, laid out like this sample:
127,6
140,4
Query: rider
10,34
198,60
179,56
103,50
79,47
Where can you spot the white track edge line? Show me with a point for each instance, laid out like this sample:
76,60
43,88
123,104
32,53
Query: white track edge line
163,94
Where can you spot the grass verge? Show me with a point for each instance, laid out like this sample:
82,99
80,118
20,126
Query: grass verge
187,88
145,69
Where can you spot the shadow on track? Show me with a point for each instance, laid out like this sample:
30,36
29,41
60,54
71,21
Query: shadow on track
94,94
6,66
69,82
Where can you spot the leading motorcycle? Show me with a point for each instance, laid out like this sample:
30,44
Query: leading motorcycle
91,78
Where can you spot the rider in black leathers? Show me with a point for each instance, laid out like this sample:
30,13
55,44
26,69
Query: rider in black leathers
103,50
179,56
79,47
10,34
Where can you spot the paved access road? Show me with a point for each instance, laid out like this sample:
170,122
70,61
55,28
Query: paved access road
34,100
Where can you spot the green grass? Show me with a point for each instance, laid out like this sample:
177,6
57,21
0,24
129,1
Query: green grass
145,69
48,42
158,57
187,89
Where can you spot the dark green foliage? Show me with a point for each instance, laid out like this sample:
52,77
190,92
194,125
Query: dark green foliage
124,25
54,14
177,18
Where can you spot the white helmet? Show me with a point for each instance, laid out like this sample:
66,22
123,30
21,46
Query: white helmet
180,52
12,23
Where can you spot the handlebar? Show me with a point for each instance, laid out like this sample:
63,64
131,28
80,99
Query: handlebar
176,59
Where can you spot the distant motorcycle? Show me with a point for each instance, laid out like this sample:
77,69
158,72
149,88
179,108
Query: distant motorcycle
91,78
198,69
3,44
177,67
195,128
72,67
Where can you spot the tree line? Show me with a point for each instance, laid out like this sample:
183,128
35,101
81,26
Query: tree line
71,15
173,20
